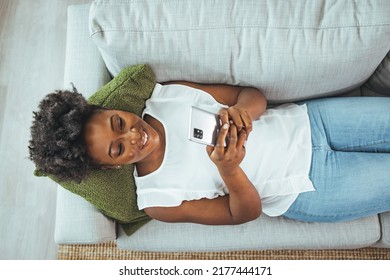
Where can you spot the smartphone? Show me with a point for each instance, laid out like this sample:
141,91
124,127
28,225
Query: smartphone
204,126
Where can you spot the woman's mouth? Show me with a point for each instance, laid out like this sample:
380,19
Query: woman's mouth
144,138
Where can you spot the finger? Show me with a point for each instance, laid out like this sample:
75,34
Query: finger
242,138
220,143
235,116
209,150
224,116
247,120
232,138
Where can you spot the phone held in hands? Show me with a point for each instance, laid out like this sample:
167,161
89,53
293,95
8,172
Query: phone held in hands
204,126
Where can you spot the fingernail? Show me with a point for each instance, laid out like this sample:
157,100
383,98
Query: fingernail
225,126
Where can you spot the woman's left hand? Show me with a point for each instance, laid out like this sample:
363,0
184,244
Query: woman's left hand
239,116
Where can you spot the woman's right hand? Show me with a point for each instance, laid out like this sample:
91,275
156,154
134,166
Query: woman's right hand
228,158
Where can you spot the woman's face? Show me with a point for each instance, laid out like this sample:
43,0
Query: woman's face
118,137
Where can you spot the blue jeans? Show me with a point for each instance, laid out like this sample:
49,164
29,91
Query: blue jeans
350,162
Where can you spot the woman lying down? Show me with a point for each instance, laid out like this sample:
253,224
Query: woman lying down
327,160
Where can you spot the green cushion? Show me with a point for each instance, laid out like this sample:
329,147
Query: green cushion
113,191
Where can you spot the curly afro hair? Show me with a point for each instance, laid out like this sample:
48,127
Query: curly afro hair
57,146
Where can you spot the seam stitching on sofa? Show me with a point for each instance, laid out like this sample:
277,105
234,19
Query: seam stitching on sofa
324,28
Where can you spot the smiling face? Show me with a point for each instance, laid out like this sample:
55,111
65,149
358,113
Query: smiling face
118,137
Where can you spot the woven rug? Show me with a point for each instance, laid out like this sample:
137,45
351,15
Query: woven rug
109,251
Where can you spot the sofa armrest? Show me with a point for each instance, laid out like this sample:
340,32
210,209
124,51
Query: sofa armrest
84,65
77,221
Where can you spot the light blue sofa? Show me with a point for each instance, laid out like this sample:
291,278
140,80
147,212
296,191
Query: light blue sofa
292,50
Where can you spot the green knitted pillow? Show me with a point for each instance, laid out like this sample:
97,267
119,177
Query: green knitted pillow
113,191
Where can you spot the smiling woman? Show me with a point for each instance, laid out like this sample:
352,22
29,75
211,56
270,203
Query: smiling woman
118,137
109,138
270,161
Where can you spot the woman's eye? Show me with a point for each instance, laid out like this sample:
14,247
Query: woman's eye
120,123
120,149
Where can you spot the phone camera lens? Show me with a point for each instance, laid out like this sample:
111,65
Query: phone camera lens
198,133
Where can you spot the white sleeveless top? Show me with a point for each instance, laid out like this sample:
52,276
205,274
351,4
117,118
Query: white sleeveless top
277,160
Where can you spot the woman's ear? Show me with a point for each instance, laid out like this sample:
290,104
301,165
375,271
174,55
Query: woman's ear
107,167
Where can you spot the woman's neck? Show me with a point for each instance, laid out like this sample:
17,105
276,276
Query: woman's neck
155,159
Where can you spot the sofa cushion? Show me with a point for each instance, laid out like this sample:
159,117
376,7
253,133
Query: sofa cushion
385,227
261,234
296,50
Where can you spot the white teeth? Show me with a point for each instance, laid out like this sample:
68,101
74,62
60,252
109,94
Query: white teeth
145,138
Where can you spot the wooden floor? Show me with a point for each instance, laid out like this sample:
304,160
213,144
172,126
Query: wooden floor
32,54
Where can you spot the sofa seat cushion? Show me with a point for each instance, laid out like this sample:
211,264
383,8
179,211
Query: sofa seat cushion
292,51
385,227
263,233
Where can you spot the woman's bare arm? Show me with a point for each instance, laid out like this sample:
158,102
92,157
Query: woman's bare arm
249,99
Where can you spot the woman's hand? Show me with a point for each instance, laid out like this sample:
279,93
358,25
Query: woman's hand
228,158
239,116
237,124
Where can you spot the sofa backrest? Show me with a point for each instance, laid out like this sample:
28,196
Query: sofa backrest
291,50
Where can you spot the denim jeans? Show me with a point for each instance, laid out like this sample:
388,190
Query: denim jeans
350,166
